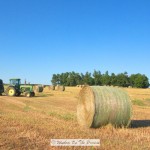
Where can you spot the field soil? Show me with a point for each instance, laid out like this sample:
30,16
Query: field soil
30,123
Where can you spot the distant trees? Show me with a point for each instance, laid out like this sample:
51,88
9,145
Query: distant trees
122,80
106,79
139,81
97,78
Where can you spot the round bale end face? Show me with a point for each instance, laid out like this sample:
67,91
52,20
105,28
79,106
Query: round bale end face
111,106
86,107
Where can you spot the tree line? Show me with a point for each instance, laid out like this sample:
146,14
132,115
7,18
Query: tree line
97,78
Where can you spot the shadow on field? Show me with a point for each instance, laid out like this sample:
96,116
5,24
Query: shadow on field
140,123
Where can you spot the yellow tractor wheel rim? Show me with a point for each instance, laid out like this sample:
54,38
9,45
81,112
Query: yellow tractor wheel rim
11,92
28,94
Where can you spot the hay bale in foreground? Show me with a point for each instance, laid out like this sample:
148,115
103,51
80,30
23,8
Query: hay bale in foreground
101,105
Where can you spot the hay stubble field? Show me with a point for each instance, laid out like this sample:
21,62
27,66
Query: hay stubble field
30,123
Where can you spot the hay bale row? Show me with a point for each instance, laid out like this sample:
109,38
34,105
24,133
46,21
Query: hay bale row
101,105
60,88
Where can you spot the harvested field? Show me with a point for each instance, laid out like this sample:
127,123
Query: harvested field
30,123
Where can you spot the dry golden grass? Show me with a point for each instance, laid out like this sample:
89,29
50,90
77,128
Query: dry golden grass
30,123
138,93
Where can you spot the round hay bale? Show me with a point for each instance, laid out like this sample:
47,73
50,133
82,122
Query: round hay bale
101,105
44,86
52,87
60,88
57,87
38,88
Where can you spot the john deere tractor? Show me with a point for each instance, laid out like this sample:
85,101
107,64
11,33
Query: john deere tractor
16,88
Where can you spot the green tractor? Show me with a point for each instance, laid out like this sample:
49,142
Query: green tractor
15,89
1,87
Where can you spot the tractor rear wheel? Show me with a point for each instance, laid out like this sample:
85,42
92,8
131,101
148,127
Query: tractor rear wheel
11,91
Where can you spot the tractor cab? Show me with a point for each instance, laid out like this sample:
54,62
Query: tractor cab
15,82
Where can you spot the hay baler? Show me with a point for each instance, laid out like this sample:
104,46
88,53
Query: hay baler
16,88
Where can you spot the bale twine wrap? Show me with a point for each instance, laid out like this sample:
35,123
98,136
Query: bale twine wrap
101,105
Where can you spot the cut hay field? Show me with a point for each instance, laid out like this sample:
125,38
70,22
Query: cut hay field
30,123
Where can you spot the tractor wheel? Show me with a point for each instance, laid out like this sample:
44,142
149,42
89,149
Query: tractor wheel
11,91
28,94
32,94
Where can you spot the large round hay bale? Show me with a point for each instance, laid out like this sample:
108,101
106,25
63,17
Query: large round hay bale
101,105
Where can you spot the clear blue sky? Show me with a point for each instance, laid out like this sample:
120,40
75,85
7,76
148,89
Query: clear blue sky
41,37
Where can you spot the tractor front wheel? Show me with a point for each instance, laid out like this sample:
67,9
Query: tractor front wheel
28,94
11,91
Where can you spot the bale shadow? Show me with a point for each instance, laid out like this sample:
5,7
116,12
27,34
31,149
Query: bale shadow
140,123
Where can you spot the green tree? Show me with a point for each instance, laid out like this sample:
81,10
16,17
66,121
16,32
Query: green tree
87,79
106,79
72,79
63,78
122,80
113,79
97,77
55,79
78,79
139,81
